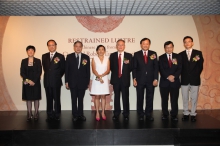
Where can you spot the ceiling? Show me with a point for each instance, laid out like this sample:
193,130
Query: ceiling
108,7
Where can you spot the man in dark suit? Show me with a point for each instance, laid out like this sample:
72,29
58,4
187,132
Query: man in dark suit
77,77
170,68
121,67
54,67
145,76
192,66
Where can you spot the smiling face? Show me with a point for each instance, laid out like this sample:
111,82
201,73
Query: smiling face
120,46
145,45
188,43
169,48
77,48
101,51
30,52
52,46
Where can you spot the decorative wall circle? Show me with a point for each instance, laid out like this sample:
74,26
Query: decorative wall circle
100,24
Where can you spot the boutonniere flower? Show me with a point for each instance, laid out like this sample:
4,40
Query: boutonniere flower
196,58
174,61
84,62
56,60
153,56
126,61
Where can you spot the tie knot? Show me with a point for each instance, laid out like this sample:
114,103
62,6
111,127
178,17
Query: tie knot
120,54
144,52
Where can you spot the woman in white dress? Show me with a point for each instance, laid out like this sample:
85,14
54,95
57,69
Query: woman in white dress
100,85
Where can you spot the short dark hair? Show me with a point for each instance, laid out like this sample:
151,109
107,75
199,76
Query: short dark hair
168,43
52,41
187,37
144,39
120,40
30,47
99,47
78,42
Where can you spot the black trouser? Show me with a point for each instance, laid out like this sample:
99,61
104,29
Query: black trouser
118,89
174,95
53,101
77,94
149,99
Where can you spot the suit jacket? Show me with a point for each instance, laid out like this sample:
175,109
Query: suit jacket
145,73
165,70
192,69
126,68
37,70
53,71
77,77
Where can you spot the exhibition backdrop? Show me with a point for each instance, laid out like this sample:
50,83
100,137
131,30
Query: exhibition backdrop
16,33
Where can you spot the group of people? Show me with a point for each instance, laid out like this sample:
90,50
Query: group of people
176,70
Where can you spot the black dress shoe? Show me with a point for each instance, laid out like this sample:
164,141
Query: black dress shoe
49,119
82,118
185,118
141,118
126,118
57,118
149,118
193,118
164,118
74,119
174,118
115,118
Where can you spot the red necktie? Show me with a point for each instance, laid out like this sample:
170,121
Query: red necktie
119,66
170,62
145,57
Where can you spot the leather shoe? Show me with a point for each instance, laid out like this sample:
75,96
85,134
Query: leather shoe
149,118
74,119
174,118
141,118
193,118
49,119
126,118
57,118
164,118
115,118
82,118
185,118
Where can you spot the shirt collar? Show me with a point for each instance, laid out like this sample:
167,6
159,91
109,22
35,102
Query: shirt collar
53,53
190,50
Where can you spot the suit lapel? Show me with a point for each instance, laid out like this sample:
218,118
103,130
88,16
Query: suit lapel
141,56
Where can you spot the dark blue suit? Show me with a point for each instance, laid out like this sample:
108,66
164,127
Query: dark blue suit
167,87
78,80
145,74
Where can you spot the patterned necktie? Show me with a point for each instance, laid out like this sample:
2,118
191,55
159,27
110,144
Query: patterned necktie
188,55
119,66
145,57
170,62
51,57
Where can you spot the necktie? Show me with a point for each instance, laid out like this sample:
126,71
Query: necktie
145,57
170,62
119,66
77,60
51,57
188,55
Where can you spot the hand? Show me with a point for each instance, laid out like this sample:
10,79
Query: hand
101,80
67,86
155,83
171,78
31,83
134,82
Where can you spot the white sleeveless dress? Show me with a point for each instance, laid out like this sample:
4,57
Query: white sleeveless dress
97,87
